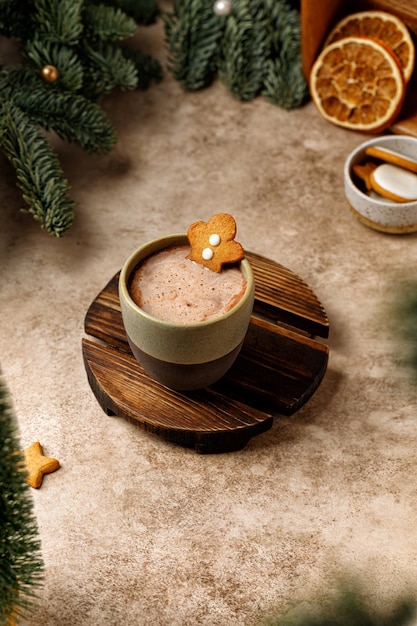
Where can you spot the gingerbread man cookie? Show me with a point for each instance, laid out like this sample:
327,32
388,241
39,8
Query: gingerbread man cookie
212,243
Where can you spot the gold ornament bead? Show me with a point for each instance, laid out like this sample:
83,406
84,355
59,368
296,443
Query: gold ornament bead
49,73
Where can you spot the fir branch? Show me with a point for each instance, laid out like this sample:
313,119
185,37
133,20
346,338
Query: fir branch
148,69
17,77
105,23
245,46
106,68
64,58
255,50
193,34
80,38
22,567
39,175
59,22
144,12
283,85
71,116
284,82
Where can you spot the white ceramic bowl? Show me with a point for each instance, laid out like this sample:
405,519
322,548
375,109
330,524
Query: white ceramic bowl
385,216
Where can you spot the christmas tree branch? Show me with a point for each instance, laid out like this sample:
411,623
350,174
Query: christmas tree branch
39,175
20,549
193,33
72,117
39,53
253,45
59,22
148,69
245,46
284,83
72,52
105,23
144,12
107,68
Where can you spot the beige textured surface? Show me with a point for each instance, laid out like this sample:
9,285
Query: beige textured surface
137,531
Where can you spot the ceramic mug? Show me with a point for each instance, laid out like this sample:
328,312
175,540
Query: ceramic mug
184,356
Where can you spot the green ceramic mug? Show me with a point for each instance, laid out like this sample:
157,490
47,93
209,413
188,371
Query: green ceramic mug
183,356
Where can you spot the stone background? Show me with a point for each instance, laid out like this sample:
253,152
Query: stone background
138,531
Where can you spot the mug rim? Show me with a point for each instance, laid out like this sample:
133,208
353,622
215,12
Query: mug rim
171,240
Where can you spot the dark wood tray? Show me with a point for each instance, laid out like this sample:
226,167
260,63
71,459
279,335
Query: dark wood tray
279,368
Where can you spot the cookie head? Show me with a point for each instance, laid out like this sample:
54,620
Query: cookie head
213,244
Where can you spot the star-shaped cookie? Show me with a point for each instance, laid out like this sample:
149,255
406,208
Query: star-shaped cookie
37,465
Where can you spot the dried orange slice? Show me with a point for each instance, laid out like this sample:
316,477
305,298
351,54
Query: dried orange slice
357,83
379,25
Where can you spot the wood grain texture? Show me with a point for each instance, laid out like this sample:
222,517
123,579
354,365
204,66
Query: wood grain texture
279,368
315,24
406,10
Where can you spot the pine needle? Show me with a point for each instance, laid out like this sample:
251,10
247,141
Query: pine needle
39,175
21,565
256,50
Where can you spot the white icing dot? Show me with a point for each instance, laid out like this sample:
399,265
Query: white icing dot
214,239
207,254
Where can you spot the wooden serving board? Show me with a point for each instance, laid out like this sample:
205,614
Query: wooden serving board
279,368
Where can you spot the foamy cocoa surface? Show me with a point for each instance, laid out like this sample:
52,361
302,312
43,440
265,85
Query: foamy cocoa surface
171,287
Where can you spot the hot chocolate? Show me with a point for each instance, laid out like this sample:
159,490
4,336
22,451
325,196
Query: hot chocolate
171,287
211,305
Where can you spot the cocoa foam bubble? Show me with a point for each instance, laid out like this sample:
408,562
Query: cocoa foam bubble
171,287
